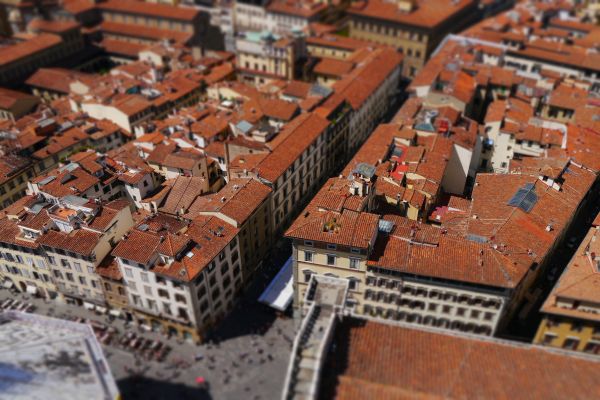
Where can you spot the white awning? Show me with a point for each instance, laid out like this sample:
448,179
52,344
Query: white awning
8,284
116,313
280,291
103,310
89,306
31,289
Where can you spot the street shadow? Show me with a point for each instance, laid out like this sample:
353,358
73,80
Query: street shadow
141,387
247,318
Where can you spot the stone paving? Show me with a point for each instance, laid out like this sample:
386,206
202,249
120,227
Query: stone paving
246,358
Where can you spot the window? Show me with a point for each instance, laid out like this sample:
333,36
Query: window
94,284
136,299
82,280
180,298
77,266
309,243
331,246
308,256
592,348
128,272
354,263
167,308
70,276
224,268
307,275
330,259
204,306
151,304
144,277
132,286
571,343
548,338
148,290
51,260
353,284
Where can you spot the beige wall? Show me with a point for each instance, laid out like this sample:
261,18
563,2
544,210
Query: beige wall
394,297
412,42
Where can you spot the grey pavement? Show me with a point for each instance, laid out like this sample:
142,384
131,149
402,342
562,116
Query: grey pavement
247,358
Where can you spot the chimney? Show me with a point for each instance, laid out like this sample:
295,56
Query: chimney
406,5
197,52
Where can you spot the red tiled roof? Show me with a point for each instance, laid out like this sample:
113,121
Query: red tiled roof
80,241
9,98
357,86
333,67
52,26
298,8
28,47
56,79
579,282
374,360
121,47
138,246
164,11
144,32
426,14
237,200
301,131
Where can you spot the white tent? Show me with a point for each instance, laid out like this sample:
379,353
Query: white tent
280,291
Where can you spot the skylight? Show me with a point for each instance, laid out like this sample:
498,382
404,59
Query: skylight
525,198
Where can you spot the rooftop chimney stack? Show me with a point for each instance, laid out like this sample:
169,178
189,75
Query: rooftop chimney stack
407,5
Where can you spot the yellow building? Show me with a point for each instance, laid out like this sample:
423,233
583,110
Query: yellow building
333,46
572,311
383,259
15,171
414,27
151,22
264,56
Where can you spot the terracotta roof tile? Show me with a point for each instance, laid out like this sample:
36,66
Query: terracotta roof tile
237,200
376,360
164,11
301,131
427,13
